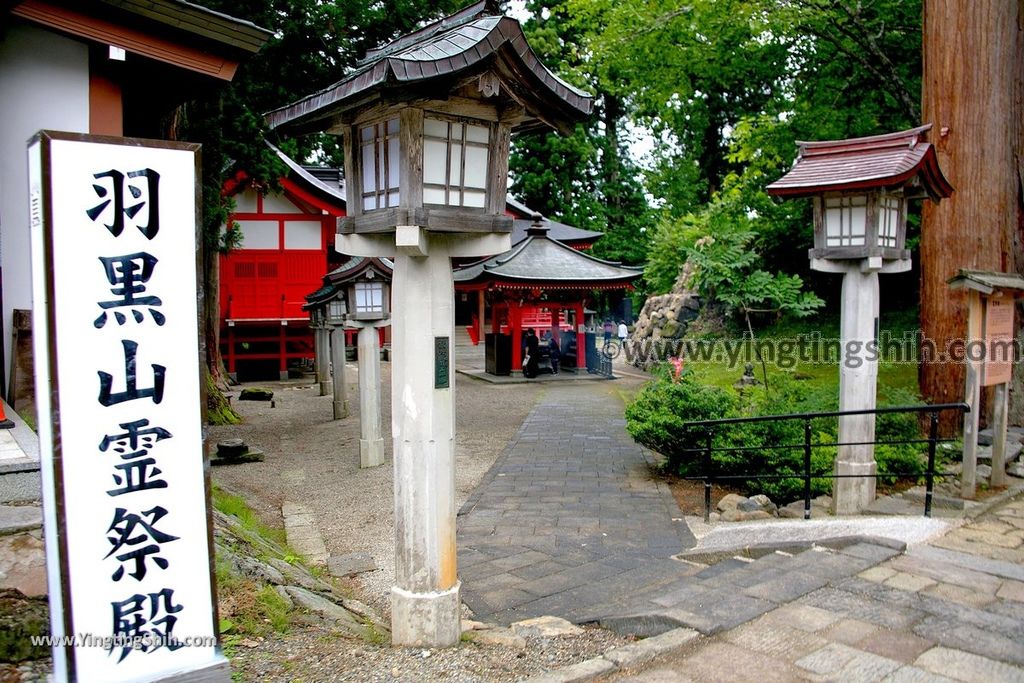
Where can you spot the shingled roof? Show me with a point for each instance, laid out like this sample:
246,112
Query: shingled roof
542,261
880,161
473,40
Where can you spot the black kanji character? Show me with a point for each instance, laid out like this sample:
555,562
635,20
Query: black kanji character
128,274
131,392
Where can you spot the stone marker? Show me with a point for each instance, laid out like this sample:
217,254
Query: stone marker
256,394
351,564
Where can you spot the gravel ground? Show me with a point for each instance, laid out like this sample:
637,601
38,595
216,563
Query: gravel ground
314,460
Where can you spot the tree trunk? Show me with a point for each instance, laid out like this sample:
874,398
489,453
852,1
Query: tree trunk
972,90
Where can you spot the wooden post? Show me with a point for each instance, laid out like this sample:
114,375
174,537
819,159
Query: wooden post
232,362
481,312
1001,405
972,393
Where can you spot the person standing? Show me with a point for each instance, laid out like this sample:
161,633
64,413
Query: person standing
607,331
553,352
532,353
623,332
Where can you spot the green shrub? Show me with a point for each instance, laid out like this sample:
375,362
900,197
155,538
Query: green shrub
658,416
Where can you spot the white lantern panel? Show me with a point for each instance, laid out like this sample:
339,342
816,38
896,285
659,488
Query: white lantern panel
435,156
845,221
393,127
476,167
455,165
259,234
366,133
393,198
475,199
456,131
369,169
433,195
454,197
435,128
477,134
394,163
302,235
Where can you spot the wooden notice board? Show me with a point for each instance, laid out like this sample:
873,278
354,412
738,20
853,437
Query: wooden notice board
998,340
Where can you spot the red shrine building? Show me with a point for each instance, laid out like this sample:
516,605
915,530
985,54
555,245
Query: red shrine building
286,247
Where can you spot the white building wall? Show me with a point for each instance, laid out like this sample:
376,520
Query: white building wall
44,84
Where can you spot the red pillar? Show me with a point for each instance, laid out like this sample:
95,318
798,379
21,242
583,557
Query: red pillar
581,339
513,326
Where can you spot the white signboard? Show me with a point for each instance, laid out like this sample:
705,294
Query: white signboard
117,353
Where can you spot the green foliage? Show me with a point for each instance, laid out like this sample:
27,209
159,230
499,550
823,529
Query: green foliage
236,506
658,418
585,179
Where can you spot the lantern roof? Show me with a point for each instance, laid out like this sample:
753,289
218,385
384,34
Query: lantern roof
987,281
539,259
439,58
354,268
885,161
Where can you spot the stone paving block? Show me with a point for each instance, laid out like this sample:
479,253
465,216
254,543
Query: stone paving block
912,674
902,646
643,651
768,637
870,551
584,671
877,574
947,572
524,559
971,638
909,582
656,676
851,631
803,617
986,565
786,588
719,610
842,662
965,666
863,608
959,594
1011,590
706,665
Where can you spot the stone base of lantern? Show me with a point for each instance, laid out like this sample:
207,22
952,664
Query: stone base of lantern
425,619
851,495
371,452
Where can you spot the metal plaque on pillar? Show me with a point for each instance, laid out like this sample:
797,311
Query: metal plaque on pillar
441,363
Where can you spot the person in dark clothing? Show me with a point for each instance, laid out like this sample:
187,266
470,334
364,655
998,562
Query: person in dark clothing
553,352
532,354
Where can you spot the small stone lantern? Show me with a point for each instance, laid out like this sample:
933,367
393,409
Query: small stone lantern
860,189
426,122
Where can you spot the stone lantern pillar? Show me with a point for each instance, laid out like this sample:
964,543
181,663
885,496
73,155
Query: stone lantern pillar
426,122
860,189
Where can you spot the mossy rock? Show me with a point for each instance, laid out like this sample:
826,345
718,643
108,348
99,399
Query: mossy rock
21,618
256,394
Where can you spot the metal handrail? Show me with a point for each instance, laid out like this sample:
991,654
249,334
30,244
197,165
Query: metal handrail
708,427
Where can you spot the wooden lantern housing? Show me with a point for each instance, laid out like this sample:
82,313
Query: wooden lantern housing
427,121
860,189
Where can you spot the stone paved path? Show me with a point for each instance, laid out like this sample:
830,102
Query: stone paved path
951,609
569,517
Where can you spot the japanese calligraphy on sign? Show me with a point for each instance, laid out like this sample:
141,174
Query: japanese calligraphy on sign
114,253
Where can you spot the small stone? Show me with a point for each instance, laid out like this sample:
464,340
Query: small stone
545,627
1016,470
730,502
497,636
470,625
983,471
351,564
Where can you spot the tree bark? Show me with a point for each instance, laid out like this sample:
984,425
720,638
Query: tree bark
972,86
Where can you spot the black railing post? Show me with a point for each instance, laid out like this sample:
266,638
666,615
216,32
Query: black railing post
708,476
933,433
807,468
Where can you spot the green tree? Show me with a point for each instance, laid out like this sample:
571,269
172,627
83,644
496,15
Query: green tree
586,179
314,44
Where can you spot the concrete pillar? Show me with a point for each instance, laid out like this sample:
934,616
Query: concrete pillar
371,443
322,345
425,599
858,378
338,376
